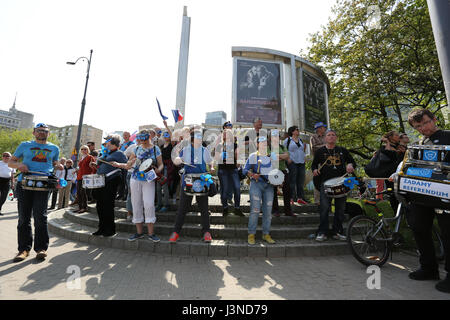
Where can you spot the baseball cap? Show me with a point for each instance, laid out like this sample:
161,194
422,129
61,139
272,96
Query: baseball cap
227,124
166,135
319,124
41,125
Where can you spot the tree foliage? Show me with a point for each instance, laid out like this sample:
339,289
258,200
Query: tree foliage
10,140
380,68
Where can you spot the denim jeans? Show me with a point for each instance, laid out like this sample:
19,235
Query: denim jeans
229,183
34,203
129,205
297,180
261,197
162,201
325,207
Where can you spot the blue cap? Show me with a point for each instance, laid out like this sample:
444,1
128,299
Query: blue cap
166,135
41,125
319,124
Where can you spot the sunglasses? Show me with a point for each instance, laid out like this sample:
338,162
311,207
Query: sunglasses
6,156
42,131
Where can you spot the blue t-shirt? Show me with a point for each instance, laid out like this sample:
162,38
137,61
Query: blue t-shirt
143,154
125,145
38,157
198,158
252,164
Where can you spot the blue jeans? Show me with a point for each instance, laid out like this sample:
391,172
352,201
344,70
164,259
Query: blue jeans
160,200
261,197
229,183
325,208
34,203
297,180
129,205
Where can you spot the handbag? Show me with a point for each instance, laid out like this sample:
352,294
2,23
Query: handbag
380,166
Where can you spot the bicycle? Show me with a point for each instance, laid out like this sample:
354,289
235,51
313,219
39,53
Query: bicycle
372,241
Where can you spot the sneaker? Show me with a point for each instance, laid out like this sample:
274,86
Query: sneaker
41,255
251,239
129,218
444,285
225,212
158,208
164,209
238,212
267,238
301,201
321,237
424,275
339,236
207,237
276,214
174,237
230,202
135,236
154,238
21,256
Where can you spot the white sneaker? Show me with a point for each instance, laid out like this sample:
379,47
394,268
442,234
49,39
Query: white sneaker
339,236
321,237
129,218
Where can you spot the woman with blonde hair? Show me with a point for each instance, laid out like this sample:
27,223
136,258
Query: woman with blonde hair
84,168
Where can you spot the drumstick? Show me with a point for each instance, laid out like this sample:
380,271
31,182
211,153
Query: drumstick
100,160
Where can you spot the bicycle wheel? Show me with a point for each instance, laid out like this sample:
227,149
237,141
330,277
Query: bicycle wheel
368,244
438,246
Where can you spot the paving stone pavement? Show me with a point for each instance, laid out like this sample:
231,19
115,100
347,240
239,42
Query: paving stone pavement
107,273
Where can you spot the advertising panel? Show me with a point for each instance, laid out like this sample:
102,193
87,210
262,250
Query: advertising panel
314,97
258,92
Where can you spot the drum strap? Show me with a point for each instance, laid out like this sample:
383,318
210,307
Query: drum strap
112,172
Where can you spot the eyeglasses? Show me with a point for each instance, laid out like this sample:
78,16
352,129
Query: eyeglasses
420,126
6,156
42,131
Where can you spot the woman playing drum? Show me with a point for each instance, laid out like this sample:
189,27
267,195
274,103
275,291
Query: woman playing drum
142,184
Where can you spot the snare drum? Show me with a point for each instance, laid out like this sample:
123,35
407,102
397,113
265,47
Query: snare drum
193,185
335,188
146,166
423,185
38,183
93,181
276,177
432,155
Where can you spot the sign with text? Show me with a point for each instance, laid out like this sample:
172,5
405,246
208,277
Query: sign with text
258,92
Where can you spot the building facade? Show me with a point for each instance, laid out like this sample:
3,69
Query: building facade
15,119
215,118
68,136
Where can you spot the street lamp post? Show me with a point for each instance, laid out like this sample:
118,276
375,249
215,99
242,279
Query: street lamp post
83,104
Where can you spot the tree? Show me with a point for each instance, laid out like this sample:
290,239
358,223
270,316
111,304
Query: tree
10,140
378,72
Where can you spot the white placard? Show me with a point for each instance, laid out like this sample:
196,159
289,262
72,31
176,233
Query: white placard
434,189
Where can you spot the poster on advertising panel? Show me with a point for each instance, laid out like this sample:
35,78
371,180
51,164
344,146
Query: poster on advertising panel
314,100
258,92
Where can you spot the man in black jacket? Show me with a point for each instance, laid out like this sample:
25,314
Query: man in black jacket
424,122
331,161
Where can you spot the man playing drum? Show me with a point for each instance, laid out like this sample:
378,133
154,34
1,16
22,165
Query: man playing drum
424,122
37,156
195,157
331,161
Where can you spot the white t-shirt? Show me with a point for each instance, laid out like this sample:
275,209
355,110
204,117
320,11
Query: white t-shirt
5,171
